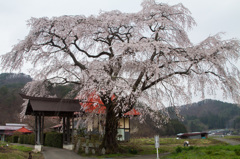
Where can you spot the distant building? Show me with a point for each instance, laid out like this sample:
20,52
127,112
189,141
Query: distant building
193,135
9,128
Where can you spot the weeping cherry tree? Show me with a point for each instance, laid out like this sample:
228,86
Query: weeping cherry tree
144,57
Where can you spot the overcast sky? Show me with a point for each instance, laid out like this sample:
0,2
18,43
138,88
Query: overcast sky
212,16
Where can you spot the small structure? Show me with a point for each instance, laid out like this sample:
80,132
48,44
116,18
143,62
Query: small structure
193,135
24,130
9,128
63,108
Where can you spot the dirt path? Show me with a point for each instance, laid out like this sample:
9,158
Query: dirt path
229,141
57,153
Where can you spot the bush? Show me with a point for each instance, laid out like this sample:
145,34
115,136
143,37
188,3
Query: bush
133,151
54,139
190,147
178,149
15,139
21,139
237,152
27,139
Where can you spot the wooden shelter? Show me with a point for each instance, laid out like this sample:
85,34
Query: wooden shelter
41,107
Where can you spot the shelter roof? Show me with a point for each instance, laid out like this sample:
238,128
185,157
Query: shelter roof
51,106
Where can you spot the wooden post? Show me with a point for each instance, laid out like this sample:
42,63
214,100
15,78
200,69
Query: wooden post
42,135
63,129
73,129
68,129
36,128
39,130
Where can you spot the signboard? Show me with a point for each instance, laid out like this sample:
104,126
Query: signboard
157,145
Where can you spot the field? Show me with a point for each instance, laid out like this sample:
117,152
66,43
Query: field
209,152
16,152
169,146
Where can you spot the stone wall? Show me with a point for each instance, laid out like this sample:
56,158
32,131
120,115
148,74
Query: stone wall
88,145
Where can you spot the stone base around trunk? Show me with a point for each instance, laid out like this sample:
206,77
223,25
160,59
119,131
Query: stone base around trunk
68,147
38,148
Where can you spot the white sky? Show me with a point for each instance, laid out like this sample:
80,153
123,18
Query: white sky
212,16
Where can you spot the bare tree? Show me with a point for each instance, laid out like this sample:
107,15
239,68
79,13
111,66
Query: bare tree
144,56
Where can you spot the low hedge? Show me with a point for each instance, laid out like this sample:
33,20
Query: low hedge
54,139
27,139
12,139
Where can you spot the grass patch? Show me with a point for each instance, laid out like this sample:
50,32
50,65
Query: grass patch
208,152
17,152
21,148
146,146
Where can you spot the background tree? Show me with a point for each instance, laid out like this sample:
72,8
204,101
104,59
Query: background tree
144,56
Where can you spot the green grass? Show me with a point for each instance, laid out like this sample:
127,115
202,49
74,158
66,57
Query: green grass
21,148
16,152
146,146
208,152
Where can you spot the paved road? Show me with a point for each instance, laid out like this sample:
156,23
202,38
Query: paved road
229,141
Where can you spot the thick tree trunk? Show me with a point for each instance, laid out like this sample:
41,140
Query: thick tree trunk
110,137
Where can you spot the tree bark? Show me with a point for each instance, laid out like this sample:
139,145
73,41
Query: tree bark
110,137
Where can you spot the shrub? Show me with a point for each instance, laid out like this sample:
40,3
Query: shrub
21,139
15,139
237,152
209,152
133,151
54,139
190,147
27,139
31,139
178,149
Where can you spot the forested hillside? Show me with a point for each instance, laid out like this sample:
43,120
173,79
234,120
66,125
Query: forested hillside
10,101
201,116
211,114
